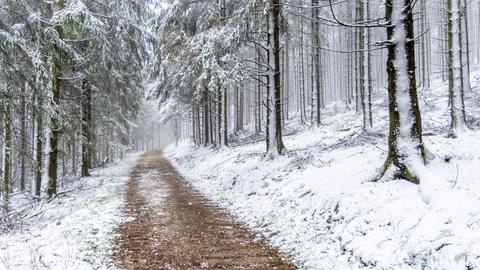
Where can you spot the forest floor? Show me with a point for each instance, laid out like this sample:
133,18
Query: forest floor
172,226
74,230
318,205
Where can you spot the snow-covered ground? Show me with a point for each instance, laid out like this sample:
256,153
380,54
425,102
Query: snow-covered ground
317,205
75,230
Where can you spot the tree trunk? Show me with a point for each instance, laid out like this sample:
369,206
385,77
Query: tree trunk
317,60
210,119
23,138
405,135
455,74
258,103
39,145
194,130
206,117
464,10
225,117
303,113
199,126
55,119
423,46
87,142
369,89
277,76
7,158
74,153
219,115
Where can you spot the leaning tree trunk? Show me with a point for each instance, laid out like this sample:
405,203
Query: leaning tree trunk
405,145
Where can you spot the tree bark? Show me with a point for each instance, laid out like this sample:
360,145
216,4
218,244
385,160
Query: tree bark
219,115
206,117
86,128
39,145
225,117
276,12
369,89
405,133
455,81
23,138
7,159
55,119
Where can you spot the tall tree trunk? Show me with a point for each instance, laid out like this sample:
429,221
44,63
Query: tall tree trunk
303,113
38,108
268,111
39,145
194,130
316,59
219,115
357,64
211,120
199,126
277,76
242,108
405,143
455,74
287,81
7,158
258,98
225,117
55,120
206,117
464,10
73,140
23,138
369,89
87,142
361,63
423,46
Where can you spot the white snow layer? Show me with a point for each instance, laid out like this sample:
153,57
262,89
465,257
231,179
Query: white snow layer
74,231
317,205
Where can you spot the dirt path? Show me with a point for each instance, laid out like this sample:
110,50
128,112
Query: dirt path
174,227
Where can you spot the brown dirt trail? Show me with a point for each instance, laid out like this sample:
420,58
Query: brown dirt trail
174,227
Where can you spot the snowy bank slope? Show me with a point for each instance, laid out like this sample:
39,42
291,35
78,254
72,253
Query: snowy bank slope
74,231
317,205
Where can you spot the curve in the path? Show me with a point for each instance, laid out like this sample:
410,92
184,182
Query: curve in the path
173,227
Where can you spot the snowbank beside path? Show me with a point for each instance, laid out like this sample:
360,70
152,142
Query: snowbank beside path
75,230
317,205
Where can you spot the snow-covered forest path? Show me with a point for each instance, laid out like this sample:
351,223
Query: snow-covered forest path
172,226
